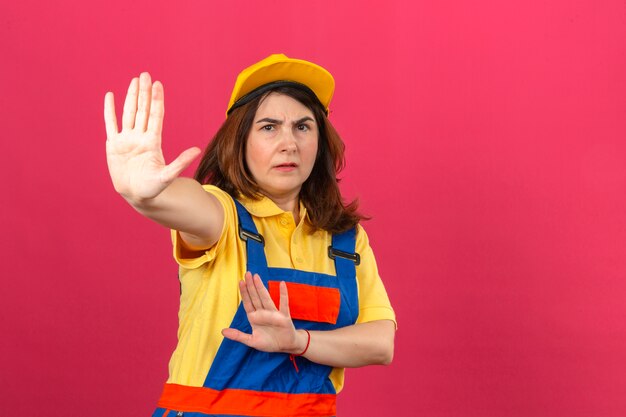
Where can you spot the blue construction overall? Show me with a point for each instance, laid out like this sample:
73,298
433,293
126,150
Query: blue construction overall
243,381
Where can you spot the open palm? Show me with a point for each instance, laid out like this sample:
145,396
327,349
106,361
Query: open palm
134,156
272,328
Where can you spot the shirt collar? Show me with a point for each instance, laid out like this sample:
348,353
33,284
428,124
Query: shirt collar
265,207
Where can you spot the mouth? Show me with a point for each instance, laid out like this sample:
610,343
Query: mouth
286,167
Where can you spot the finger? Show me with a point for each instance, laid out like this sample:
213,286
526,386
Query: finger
284,299
143,101
237,336
157,109
264,295
178,165
130,105
245,297
252,291
110,119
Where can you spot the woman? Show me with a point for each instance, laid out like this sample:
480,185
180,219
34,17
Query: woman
279,286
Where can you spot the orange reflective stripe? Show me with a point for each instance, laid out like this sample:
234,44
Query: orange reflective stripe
309,302
246,402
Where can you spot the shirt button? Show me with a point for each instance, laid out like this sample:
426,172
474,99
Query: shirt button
283,222
299,260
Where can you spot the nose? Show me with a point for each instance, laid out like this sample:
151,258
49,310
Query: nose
288,141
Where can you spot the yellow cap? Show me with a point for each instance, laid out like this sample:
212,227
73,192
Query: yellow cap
279,67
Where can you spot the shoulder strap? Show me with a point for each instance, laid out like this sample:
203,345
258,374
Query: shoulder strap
342,251
257,263
346,259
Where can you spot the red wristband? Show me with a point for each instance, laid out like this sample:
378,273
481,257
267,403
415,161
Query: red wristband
308,341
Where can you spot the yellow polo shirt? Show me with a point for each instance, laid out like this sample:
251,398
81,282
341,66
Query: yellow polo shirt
209,281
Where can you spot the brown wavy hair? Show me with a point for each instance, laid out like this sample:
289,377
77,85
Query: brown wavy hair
224,165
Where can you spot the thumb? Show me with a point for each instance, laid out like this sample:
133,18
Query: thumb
178,165
237,335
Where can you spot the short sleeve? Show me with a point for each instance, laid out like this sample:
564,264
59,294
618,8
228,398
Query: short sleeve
373,300
193,259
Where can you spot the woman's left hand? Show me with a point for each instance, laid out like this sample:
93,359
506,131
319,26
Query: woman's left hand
272,328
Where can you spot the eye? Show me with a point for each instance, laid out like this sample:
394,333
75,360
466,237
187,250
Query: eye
268,128
303,127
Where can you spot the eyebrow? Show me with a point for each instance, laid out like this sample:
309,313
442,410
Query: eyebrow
280,122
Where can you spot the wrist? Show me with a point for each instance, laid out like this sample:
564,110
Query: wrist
303,340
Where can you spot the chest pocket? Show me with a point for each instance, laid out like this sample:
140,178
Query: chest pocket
309,302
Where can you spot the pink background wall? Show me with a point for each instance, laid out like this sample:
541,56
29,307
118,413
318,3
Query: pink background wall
486,138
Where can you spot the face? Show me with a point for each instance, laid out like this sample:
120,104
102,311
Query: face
281,146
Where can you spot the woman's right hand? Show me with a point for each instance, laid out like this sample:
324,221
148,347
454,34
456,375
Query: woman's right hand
134,154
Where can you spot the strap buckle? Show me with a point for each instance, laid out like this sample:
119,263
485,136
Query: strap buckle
245,235
336,253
